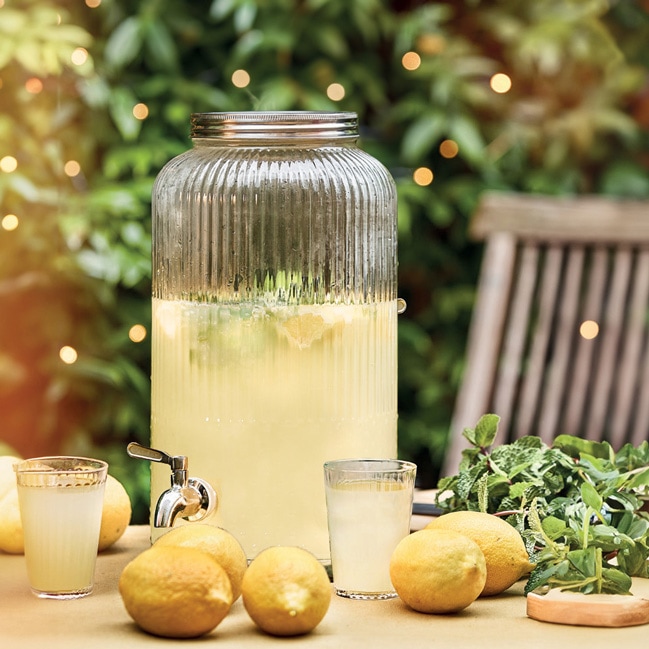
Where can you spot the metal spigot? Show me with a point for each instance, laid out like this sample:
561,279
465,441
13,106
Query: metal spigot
190,498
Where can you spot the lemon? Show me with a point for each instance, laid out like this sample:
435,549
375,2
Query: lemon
116,513
286,591
304,329
7,474
438,571
502,546
217,542
11,527
175,592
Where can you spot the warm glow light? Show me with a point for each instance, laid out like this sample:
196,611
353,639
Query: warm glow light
589,329
68,354
33,85
240,78
137,333
79,56
335,91
8,164
140,111
500,83
93,4
423,176
449,148
72,168
411,60
9,222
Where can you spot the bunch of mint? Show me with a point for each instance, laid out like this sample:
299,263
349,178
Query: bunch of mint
577,504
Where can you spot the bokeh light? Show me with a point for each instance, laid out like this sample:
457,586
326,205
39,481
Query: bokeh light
8,164
72,168
33,85
140,111
500,83
79,56
137,333
68,354
589,329
335,91
449,148
240,78
9,222
411,60
423,176
93,4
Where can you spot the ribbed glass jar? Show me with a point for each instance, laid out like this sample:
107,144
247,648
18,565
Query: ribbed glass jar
274,316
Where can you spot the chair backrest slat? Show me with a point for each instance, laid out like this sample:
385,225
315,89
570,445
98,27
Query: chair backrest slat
558,377
584,363
515,336
629,367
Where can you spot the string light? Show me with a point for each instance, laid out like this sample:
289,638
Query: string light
411,60
140,111
9,222
72,168
449,149
68,354
500,83
240,78
79,56
137,333
34,85
335,91
423,176
8,164
589,329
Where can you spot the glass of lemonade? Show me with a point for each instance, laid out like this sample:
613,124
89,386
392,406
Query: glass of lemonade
369,503
61,500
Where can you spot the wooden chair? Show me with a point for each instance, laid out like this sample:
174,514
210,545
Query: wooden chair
550,265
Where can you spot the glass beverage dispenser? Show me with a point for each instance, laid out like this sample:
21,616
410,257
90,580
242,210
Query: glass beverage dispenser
274,316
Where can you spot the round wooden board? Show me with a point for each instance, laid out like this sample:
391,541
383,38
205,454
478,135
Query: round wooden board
592,610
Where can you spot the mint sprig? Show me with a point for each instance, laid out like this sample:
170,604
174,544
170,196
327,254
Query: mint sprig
577,504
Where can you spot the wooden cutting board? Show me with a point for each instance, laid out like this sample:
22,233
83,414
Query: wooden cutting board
592,610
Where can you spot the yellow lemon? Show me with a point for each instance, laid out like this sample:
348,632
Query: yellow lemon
438,571
175,592
7,474
217,542
12,539
286,591
502,546
304,329
116,513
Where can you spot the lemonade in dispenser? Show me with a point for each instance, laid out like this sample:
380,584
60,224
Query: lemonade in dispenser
274,335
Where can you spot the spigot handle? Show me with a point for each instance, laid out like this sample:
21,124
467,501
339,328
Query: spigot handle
145,453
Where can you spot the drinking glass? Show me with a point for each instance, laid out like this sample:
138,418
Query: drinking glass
369,503
61,500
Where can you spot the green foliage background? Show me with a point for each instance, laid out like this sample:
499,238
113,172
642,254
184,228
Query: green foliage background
76,270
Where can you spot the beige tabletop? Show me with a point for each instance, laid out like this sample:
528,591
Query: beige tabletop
100,620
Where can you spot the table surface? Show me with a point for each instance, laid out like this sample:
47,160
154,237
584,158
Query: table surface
100,620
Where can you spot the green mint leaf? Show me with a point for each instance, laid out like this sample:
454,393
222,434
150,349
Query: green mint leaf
575,446
469,434
591,497
486,430
553,527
